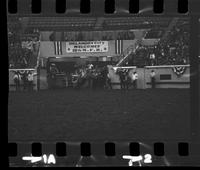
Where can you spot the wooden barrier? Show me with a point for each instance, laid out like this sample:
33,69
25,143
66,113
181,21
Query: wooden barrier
166,78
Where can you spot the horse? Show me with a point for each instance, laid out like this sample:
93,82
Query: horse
101,78
124,79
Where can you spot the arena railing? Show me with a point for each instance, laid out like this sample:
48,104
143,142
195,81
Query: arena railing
167,66
21,71
127,52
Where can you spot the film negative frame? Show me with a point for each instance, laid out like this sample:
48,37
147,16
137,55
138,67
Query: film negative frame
109,153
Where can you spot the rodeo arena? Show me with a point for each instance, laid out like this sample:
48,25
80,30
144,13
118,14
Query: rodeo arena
108,53
98,78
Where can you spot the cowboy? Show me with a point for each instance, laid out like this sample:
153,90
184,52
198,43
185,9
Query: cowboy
122,78
30,80
17,79
134,79
90,78
109,81
152,75
52,75
152,58
126,80
25,79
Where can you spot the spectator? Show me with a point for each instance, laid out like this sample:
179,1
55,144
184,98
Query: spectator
152,58
122,76
52,76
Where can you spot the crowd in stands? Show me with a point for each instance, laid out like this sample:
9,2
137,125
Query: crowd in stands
22,47
19,57
174,50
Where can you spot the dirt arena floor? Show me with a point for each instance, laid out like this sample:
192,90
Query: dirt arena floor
99,115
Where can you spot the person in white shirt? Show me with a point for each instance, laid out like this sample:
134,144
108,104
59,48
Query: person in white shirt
134,79
16,79
108,78
90,66
152,75
152,59
30,80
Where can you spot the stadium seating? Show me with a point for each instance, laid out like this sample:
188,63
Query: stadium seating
173,51
135,22
88,23
22,47
61,23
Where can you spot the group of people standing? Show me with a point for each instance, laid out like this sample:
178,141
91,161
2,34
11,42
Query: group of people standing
24,79
92,77
128,80
97,77
85,76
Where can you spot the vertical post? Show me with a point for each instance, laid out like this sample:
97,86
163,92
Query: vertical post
194,87
38,77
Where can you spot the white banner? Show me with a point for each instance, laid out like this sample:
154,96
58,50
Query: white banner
86,46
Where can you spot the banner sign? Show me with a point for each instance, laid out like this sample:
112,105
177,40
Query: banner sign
179,70
86,46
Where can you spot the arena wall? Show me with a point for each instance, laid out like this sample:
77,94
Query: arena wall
172,80
11,81
165,77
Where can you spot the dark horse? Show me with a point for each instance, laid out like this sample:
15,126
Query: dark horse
101,78
81,81
88,77
124,78
94,78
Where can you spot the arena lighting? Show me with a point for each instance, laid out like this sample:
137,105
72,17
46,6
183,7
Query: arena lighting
148,9
122,11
